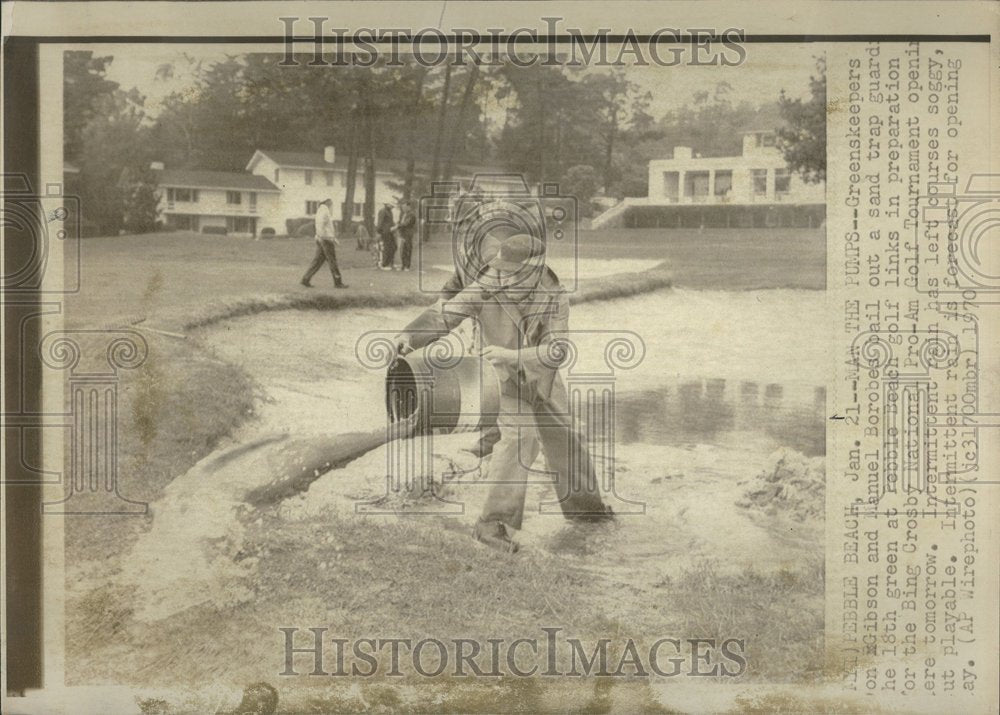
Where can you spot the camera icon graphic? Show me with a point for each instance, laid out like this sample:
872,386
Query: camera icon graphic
494,208
37,226
957,239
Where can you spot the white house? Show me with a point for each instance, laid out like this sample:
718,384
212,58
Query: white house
304,179
755,188
203,201
280,185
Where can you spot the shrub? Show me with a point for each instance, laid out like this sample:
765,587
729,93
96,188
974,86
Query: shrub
582,182
300,226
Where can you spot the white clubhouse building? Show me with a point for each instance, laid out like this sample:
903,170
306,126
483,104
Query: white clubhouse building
754,189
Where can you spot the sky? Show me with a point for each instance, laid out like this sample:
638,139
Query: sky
767,70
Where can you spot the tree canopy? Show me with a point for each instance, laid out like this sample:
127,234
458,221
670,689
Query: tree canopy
803,140
541,120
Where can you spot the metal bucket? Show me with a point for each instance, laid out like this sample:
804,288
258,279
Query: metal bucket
444,391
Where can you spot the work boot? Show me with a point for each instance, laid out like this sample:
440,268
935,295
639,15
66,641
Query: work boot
494,534
305,283
340,285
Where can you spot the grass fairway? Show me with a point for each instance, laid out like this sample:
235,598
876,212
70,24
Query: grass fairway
134,276
174,409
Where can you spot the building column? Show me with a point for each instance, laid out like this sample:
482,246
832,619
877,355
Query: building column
770,185
711,186
681,185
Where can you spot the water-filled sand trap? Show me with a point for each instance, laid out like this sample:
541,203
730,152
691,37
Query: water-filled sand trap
700,419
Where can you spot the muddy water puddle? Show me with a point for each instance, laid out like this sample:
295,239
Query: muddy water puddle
681,455
724,413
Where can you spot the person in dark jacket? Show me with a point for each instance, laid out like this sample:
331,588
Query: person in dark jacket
405,230
387,244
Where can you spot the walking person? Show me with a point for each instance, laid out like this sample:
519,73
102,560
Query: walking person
326,246
405,230
387,243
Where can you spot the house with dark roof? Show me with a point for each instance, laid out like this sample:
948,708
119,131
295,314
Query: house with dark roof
279,185
306,178
216,201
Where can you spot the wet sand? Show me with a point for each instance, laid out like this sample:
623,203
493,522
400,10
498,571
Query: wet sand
699,415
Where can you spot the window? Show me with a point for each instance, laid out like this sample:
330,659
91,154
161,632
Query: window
759,181
239,224
234,198
671,184
277,175
782,181
309,177
723,183
357,208
764,138
696,184
182,222
329,177
253,200
312,207
183,195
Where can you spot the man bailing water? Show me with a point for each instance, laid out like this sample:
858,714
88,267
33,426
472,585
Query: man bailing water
522,312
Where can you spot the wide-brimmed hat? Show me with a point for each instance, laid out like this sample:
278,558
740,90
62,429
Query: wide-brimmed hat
510,254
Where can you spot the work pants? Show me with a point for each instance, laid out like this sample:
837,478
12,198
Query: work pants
388,243
524,430
405,251
326,250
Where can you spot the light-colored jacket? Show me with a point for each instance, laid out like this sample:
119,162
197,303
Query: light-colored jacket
324,223
543,318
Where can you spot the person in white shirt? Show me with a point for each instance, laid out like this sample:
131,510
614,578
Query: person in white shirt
326,246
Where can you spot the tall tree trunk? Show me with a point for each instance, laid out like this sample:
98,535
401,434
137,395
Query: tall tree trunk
347,210
442,114
458,132
541,127
411,163
439,135
369,210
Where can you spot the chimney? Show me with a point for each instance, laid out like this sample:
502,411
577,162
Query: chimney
156,166
682,152
329,154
